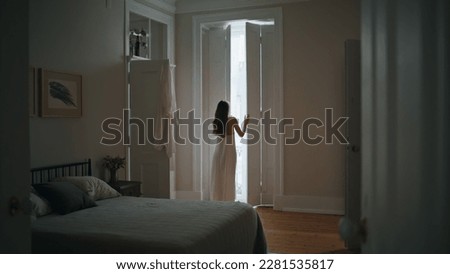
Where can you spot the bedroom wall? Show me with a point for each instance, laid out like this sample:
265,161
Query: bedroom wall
83,37
314,33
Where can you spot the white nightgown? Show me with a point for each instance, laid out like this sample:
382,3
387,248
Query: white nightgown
223,170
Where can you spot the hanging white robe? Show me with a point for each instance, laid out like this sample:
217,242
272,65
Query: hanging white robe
166,107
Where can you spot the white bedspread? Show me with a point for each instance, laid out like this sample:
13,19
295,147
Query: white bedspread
144,225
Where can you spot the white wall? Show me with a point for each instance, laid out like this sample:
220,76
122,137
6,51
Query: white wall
183,55
314,34
83,37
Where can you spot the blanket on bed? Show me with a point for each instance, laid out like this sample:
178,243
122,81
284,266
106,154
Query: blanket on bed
145,225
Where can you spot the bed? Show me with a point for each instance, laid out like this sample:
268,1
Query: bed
122,224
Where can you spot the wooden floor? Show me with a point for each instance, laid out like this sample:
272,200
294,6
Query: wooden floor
301,233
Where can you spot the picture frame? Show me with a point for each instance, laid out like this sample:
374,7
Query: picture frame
61,94
32,92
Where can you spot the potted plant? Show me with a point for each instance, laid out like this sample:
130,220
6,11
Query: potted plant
113,164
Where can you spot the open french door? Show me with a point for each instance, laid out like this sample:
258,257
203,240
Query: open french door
215,86
260,99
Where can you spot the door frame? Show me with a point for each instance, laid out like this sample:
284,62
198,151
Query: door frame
405,129
353,133
278,111
133,6
15,226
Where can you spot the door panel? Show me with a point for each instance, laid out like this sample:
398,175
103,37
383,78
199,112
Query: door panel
254,109
268,150
147,164
216,87
260,93
219,66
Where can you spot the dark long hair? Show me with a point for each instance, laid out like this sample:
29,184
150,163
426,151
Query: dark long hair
221,118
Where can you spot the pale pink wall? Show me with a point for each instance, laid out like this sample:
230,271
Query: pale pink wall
83,37
314,35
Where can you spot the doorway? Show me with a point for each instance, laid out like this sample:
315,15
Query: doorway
223,70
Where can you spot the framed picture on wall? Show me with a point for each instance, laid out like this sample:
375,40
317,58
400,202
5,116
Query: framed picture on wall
32,87
60,94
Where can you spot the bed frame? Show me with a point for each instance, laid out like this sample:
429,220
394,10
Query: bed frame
44,174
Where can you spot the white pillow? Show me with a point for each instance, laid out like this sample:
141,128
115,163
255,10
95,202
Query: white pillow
94,187
39,205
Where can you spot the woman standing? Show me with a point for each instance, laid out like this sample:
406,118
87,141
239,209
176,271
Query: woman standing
224,159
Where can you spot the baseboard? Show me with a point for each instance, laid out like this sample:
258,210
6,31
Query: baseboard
310,204
188,195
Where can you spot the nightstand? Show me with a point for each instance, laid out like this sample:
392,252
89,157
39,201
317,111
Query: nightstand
128,188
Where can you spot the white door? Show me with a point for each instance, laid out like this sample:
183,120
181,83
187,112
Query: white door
405,126
268,149
260,101
147,164
253,43
215,86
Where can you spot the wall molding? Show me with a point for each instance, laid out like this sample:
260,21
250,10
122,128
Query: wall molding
167,6
310,204
188,6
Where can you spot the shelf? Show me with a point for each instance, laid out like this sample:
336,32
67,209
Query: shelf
134,57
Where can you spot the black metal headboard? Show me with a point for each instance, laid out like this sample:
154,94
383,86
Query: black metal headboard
44,174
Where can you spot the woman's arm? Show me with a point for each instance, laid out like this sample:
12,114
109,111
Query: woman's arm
235,126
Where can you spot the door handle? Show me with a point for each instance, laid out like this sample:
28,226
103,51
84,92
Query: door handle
355,148
15,206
